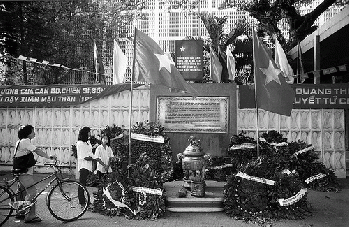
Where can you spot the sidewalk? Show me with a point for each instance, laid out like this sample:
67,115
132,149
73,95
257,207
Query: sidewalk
329,209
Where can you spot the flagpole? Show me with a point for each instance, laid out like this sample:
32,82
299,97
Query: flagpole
255,96
298,60
211,62
131,97
96,71
257,121
199,31
131,100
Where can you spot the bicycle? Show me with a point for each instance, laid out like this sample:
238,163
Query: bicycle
62,200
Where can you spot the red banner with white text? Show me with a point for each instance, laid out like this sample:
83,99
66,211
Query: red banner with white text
55,95
307,96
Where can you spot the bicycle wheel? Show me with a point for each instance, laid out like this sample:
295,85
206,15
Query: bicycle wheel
6,197
63,202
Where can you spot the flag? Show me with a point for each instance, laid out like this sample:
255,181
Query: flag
272,91
230,64
216,67
300,68
119,64
282,63
155,67
99,68
95,56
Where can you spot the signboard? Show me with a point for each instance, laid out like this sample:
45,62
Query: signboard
321,96
307,96
55,95
189,59
187,114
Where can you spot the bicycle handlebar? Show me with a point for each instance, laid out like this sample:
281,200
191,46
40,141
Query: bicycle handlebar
54,164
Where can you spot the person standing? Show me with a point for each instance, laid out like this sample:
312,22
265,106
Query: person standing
84,160
24,147
103,154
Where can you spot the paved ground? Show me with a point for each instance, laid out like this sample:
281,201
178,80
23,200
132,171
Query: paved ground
329,210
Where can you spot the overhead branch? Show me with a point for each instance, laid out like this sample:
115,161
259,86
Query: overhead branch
307,26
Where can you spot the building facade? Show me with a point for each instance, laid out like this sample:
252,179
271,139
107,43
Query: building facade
167,21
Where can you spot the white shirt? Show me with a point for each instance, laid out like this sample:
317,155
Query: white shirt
104,154
83,150
25,146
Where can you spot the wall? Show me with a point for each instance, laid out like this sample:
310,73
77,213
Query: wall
322,128
213,143
57,128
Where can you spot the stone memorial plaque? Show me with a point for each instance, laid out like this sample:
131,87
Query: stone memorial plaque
187,114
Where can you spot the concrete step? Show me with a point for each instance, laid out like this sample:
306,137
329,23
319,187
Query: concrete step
211,202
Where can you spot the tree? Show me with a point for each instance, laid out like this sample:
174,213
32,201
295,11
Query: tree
220,41
23,34
61,32
270,12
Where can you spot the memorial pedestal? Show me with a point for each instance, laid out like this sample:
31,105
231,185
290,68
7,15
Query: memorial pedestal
212,202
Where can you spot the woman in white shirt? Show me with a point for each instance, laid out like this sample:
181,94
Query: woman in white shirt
23,147
84,160
103,154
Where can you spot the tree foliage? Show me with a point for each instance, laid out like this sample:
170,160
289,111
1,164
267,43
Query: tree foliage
270,12
61,32
242,47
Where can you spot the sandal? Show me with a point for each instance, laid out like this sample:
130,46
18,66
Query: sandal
33,220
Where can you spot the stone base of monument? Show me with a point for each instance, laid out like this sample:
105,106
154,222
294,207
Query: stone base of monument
212,202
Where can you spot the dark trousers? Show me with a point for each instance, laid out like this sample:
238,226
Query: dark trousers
101,176
83,178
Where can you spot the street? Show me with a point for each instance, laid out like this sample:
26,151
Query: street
330,209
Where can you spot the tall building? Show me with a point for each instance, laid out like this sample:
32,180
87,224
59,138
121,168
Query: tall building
168,20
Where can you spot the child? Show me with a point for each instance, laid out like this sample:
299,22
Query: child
102,155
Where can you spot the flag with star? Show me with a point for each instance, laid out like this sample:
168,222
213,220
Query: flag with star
273,93
153,66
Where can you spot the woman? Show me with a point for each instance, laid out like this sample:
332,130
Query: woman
23,147
85,157
103,154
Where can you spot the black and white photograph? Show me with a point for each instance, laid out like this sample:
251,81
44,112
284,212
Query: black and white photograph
161,113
